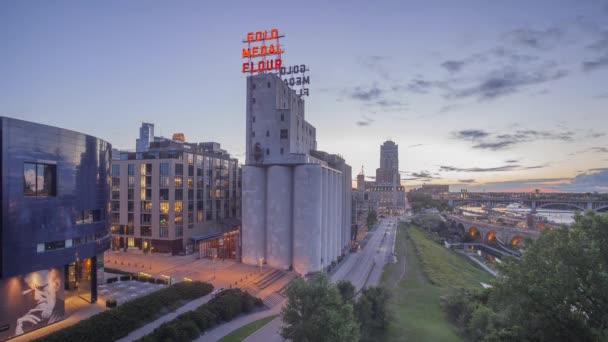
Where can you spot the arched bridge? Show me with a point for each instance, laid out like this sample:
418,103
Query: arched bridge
483,232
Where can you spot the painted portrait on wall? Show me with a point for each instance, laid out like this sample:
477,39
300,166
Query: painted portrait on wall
31,301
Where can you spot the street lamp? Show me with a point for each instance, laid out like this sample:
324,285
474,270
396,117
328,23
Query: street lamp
261,263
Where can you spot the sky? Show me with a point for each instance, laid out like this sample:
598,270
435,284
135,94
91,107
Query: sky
483,95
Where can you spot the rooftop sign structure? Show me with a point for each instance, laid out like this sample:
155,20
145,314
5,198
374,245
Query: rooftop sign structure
263,51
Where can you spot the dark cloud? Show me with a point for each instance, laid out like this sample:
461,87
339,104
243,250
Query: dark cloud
489,141
366,94
495,146
597,63
593,180
596,135
596,149
388,105
466,180
416,145
365,121
420,176
503,168
536,39
471,134
511,161
453,66
507,81
600,47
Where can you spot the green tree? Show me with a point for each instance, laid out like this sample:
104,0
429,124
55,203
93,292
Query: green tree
372,312
372,218
557,290
316,312
347,291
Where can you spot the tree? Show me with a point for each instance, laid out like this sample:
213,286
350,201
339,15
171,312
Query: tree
555,292
347,291
372,312
316,312
372,218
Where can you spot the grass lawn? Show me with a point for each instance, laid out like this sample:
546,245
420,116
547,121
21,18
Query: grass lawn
417,314
246,330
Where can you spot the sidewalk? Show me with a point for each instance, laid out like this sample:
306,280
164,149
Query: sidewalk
148,328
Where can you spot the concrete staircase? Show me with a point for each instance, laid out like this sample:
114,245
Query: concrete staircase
273,300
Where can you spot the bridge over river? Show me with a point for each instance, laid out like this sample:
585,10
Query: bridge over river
580,202
485,232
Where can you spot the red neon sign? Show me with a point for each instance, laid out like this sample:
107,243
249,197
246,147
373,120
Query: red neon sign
257,54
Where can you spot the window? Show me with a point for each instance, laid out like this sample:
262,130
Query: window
178,219
281,150
131,169
268,84
164,194
39,180
130,194
253,100
253,85
90,216
163,232
178,181
49,246
179,231
145,231
267,133
148,169
253,118
284,134
179,169
163,220
179,194
267,151
164,169
178,206
253,134
164,181
282,117
164,207
146,219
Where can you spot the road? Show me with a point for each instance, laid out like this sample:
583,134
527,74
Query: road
362,269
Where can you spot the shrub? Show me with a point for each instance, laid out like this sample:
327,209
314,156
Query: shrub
125,277
111,303
188,326
114,324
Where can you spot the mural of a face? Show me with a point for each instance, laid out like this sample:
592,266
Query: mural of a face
45,285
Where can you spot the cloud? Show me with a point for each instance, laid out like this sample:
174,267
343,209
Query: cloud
536,39
506,81
466,180
420,176
415,145
503,168
601,96
511,161
596,149
419,86
377,65
593,180
594,64
596,134
365,121
366,94
471,134
453,66
498,142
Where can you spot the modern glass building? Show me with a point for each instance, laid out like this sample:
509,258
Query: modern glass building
54,186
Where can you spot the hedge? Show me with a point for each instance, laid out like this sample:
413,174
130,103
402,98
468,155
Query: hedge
189,325
114,324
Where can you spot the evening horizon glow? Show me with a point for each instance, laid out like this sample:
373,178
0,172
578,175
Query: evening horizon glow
484,96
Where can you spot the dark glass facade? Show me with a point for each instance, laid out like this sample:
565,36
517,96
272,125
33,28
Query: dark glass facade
54,186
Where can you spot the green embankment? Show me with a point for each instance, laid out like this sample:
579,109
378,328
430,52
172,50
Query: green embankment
243,332
425,271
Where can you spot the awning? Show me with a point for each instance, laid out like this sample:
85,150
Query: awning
206,237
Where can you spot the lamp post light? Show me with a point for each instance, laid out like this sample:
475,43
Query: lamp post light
261,263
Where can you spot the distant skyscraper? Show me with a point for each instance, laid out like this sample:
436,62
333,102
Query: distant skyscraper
146,136
388,173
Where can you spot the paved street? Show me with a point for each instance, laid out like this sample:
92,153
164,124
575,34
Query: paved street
363,268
